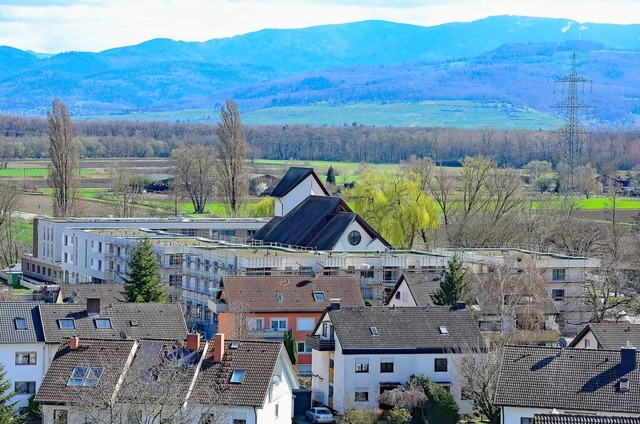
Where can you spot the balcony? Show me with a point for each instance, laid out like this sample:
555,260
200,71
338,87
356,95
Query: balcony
267,333
323,345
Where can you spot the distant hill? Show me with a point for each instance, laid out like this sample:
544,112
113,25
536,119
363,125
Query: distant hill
507,59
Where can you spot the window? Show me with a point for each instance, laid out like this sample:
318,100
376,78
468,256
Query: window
354,238
280,297
26,358
278,324
85,376
59,416
362,365
374,330
397,295
24,387
526,420
303,348
330,390
362,395
236,377
189,232
305,324
239,421
386,365
103,322
332,363
20,323
440,365
443,329
277,410
319,296
366,274
557,294
67,323
255,324
558,274
587,343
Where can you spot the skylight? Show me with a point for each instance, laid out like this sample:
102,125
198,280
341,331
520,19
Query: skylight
280,297
373,330
237,377
103,322
319,296
235,344
85,376
67,323
443,329
624,384
20,323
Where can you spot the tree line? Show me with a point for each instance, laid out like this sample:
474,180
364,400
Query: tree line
26,137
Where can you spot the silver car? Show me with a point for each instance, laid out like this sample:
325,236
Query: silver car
320,414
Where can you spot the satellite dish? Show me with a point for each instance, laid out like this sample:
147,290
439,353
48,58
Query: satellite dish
562,342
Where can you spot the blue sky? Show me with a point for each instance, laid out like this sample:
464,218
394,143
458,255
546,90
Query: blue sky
52,26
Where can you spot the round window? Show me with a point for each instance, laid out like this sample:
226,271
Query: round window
354,238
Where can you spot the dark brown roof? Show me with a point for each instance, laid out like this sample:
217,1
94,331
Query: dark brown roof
421,285
574,379
78,293
260,293
257,359
160,321
409,330
110,355
582,419
611,336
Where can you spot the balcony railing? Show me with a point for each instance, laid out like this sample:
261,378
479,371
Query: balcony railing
317,343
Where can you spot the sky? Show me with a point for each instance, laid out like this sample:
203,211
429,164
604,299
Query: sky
54,26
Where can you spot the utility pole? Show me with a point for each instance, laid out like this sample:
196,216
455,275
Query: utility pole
572,132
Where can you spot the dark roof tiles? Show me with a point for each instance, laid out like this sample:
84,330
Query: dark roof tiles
294,176
582,419
612,336
9,311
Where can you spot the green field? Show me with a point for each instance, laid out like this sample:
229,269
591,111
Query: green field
34,172
440,113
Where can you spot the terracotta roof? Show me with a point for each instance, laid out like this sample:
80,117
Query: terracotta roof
582,419
416,329
421,285
109,355
260,293
257,359
78,293
294,176
574,379
611,336
161,321
11,332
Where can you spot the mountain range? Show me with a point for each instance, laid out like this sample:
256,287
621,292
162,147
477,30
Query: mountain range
506,59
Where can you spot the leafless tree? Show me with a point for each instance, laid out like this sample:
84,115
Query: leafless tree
231,155
127,190
11,246
63,153
194,169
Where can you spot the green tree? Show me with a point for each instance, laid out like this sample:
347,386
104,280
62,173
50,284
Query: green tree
143,282
440,406
331,177
291,345
451,284
8,413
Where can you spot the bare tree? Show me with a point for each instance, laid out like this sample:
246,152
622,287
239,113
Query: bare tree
127,189
63,169
232,152
194,169
11,246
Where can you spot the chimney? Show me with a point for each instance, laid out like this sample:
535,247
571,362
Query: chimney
193,342
460,305
74,343
218,347
93,306
335,304
628,358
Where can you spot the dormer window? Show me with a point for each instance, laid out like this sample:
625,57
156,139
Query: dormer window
103,323
20,323
67,324
319,296
237,377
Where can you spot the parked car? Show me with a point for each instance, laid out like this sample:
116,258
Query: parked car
320,414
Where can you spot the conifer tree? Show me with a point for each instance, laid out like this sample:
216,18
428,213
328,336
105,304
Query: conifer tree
452,283
143,282
291,346
331,177
7,407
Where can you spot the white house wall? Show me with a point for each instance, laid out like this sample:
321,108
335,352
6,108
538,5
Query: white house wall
27,373
406,298
366,242
308,187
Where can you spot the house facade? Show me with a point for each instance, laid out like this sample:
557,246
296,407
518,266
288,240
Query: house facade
609,336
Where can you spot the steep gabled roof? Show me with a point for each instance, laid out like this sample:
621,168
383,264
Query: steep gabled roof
260,293
257,359
160,321
9,331
317,222
294,176
109,355
573,379
79,293
611,336
405,330
421,285
582,419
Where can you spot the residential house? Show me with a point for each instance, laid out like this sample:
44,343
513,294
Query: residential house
22,348
245,382
267,306
557,418
359,353
541,380
608,336
296,185
414,289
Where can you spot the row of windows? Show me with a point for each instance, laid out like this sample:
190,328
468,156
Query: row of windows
281,324
387,365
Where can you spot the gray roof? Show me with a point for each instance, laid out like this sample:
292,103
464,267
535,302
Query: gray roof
78,293
9,311
574,379
421,285
583,419
611,336
407,330
294,176
160,321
